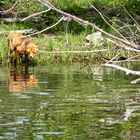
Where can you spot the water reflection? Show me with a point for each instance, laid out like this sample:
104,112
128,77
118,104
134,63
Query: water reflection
20,80
64,102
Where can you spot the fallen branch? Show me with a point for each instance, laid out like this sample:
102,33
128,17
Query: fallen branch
36,14
137,25
127,71
10,20
123,46
113,58
108,22
77,52
135,81
26,31
39,32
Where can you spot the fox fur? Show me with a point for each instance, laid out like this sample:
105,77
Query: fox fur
20,46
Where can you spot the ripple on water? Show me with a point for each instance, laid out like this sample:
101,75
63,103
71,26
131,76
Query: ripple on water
51,133
23,96
18,122
40,93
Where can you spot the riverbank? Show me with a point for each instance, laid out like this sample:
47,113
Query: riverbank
70,37
68,48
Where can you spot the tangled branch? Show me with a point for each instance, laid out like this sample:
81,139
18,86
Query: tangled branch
127,43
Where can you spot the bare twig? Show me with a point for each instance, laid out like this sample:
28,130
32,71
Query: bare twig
132,18
133,57
11,20
39,32
36,14
108,22
113,58
127,71
8,10
26,31
67,38
73,52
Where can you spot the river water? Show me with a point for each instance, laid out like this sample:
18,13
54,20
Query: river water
73,102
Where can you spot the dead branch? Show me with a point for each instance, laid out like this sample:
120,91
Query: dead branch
108,22
73,52
36,14
127,71
8,10
138,26
39,32
123,46
25,31
113,58
10,20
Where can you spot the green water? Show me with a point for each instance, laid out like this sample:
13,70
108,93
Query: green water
68,102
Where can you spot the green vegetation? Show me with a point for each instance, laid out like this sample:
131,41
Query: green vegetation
57,39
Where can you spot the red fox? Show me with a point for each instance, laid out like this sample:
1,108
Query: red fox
21,46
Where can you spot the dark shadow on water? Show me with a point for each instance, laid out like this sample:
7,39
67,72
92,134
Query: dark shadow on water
20,79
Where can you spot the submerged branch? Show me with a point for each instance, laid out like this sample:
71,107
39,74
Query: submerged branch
127,71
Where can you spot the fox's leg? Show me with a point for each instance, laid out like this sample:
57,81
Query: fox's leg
13,57
10,55
24,58
27,59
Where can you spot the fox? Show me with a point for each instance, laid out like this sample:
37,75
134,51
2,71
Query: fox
21,46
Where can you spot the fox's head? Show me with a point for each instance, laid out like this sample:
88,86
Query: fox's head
32,50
